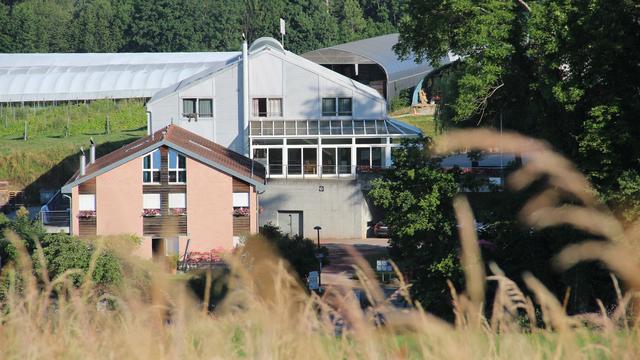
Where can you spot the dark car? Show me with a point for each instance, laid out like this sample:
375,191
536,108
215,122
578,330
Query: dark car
380,229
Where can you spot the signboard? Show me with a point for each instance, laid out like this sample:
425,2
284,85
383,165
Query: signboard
282,30
383,266
313,280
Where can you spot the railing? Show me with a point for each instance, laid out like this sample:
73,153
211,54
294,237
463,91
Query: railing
320,171
55,218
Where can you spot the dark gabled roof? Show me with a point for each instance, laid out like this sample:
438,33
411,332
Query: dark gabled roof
186,142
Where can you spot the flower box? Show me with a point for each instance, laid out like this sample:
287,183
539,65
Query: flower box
84,214
150,212
241,211
178,211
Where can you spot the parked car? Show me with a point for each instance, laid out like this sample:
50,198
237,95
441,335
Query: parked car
380,229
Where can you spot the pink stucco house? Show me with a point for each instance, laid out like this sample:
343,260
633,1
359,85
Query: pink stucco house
169,188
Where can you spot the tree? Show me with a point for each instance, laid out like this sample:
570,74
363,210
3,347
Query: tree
298,251
416,196
563,71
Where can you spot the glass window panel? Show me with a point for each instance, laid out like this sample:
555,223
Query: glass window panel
275,107
324,128
380,127
302,141
173,177
156,159
329,161
347,128
260,155
344,107
344,160
310,160
294,165
146,162
393,129
275,161
313,127
182,176
358,127
146,176
335,141
328,107
182,161
156,176
188,106
302,127
376,156
266,141
173,159
290,127
260,107
267,128
172,246
255,128
278,128
370,127
205,107
336,128
371,140
363,156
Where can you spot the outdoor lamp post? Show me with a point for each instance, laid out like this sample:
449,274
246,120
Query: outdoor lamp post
319,257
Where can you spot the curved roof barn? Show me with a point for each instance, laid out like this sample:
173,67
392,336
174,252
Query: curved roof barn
62,77
377,51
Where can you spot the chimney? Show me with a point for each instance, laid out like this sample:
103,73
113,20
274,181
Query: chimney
83,162
245,95
92,152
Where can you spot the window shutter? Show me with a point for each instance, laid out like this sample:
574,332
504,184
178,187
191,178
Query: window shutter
241,199
87,202
177,201
151,201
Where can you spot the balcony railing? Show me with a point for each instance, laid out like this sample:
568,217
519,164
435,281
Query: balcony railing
55,220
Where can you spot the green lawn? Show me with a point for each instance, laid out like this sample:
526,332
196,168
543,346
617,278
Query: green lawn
426,123
49,156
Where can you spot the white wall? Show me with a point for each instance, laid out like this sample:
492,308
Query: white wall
301,83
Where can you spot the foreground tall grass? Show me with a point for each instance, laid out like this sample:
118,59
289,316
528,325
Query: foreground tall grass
268,315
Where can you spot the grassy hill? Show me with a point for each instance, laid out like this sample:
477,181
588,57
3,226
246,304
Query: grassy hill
49,156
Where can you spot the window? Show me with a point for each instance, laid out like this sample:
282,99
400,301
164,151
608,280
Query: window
267,107
337,106
151,168
87,202
240,199
328,107
177,168
177,201
195,108
205,108
151,201
344,107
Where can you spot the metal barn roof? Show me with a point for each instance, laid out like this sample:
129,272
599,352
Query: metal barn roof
60,77
401,74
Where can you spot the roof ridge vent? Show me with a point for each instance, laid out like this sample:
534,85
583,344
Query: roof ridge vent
266,41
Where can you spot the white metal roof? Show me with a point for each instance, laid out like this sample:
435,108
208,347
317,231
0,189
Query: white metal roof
401,74
58,77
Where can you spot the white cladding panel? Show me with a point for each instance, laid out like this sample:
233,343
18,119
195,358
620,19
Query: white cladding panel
196,90
364,107
165,112
265,76
330,88
302,93
228,109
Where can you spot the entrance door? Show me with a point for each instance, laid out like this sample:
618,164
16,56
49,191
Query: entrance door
158,249
290,222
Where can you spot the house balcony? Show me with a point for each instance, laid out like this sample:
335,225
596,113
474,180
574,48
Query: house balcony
55,221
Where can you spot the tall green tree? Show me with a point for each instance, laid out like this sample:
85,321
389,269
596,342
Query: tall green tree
566,71
416,197
99,25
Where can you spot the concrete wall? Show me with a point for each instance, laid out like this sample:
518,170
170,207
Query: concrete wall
340,208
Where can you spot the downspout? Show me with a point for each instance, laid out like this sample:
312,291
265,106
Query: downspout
149,122
245,96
